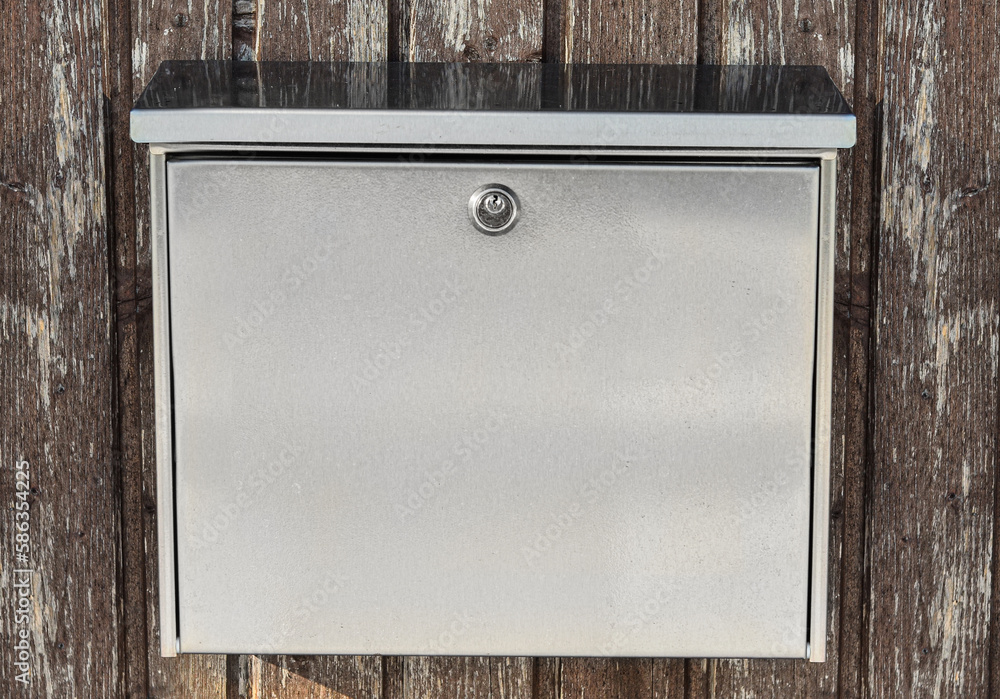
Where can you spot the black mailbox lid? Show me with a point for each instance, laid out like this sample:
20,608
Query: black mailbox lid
501,105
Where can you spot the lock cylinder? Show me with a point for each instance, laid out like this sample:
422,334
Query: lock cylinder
494,209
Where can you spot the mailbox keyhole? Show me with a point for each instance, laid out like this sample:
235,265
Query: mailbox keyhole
495,203
493,209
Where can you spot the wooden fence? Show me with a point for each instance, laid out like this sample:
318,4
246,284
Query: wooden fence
915,505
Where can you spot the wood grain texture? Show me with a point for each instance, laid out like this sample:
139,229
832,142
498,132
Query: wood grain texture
626,31
159,31
853,303
56,357
470,30
352,30
931,516
120,173
467,677
334,677
610,678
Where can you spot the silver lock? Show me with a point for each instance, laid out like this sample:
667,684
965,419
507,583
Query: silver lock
493,209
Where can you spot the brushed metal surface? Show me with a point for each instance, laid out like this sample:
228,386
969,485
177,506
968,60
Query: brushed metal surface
472,128
165,525
589,436
823,409
512,104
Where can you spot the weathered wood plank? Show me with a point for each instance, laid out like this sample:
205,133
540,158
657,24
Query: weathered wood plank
631,31
56,359
159,31
795,32
608,678
669,678
467,677
800,32
854,304
931,516
353,30
332,677
471,30
446,678
121,183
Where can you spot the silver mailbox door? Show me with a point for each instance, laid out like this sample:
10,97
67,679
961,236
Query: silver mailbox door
589,436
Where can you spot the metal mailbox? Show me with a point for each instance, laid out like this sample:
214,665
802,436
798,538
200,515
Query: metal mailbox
493,359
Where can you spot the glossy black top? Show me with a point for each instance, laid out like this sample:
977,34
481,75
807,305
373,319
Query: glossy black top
494,87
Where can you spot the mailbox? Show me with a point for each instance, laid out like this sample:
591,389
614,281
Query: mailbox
492,359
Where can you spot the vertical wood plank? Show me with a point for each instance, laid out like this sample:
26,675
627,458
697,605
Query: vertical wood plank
471,30
309,677
56,359
352,30
609,678
160,31
670,678
471,677
864,194
120,176
512,678
630,31
931,513
446,677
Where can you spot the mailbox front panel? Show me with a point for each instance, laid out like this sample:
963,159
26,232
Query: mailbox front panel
589,435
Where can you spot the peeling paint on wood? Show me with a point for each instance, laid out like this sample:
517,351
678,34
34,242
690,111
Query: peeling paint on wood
632,31
352,30
472,30
931,512
56,357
